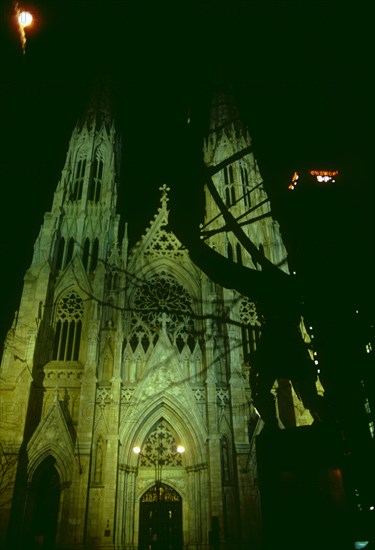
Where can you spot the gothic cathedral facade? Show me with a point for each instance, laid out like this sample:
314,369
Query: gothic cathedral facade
116,348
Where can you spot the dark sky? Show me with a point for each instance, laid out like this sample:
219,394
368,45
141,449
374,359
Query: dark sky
302,73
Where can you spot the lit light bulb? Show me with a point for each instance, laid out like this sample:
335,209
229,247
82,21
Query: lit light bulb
136,450
25,18
180,449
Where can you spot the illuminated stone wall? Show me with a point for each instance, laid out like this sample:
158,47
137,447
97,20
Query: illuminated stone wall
109,345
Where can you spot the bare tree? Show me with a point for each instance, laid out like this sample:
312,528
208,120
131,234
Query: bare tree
8,465
277,295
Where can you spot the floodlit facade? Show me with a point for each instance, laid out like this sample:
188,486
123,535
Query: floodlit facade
115,348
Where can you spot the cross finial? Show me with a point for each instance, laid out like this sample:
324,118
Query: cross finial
164,195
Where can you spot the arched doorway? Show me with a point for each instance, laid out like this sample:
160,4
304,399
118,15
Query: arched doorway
43,506
160,519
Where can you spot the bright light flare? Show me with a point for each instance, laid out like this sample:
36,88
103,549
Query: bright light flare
180,449
25,18
136,450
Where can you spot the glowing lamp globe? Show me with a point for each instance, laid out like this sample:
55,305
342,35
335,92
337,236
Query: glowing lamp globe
25,18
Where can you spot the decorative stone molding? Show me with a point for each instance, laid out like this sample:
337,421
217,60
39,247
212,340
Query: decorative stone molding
199,394
222,396
60,374
127,394
103,396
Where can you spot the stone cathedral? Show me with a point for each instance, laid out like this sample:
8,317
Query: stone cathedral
127,417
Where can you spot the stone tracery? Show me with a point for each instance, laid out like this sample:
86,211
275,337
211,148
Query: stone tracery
162,303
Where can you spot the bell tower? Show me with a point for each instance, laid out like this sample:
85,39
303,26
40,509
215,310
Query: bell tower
82,217
228,152
81,228
238,185
49,368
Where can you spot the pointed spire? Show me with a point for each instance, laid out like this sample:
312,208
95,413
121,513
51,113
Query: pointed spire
224,109
99,109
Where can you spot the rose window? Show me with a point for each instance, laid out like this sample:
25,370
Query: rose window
162,302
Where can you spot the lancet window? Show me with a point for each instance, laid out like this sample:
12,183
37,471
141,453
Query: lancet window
245,186
95,180
78,180
237,257
63,252
69,314
90,254
230,196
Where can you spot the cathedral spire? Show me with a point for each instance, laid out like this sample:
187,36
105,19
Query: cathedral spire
99,108
224,108
229,155
83,219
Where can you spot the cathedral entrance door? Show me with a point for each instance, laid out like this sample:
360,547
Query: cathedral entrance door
160,519
43,507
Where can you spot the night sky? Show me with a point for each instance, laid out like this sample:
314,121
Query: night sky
301,71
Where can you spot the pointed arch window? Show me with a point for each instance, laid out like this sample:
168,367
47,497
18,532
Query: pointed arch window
78,180
230,195
59,252
161,446
63,252
90,254
245,186
94,255
162,302
86,252
95,180
69,316
69,251
228,174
